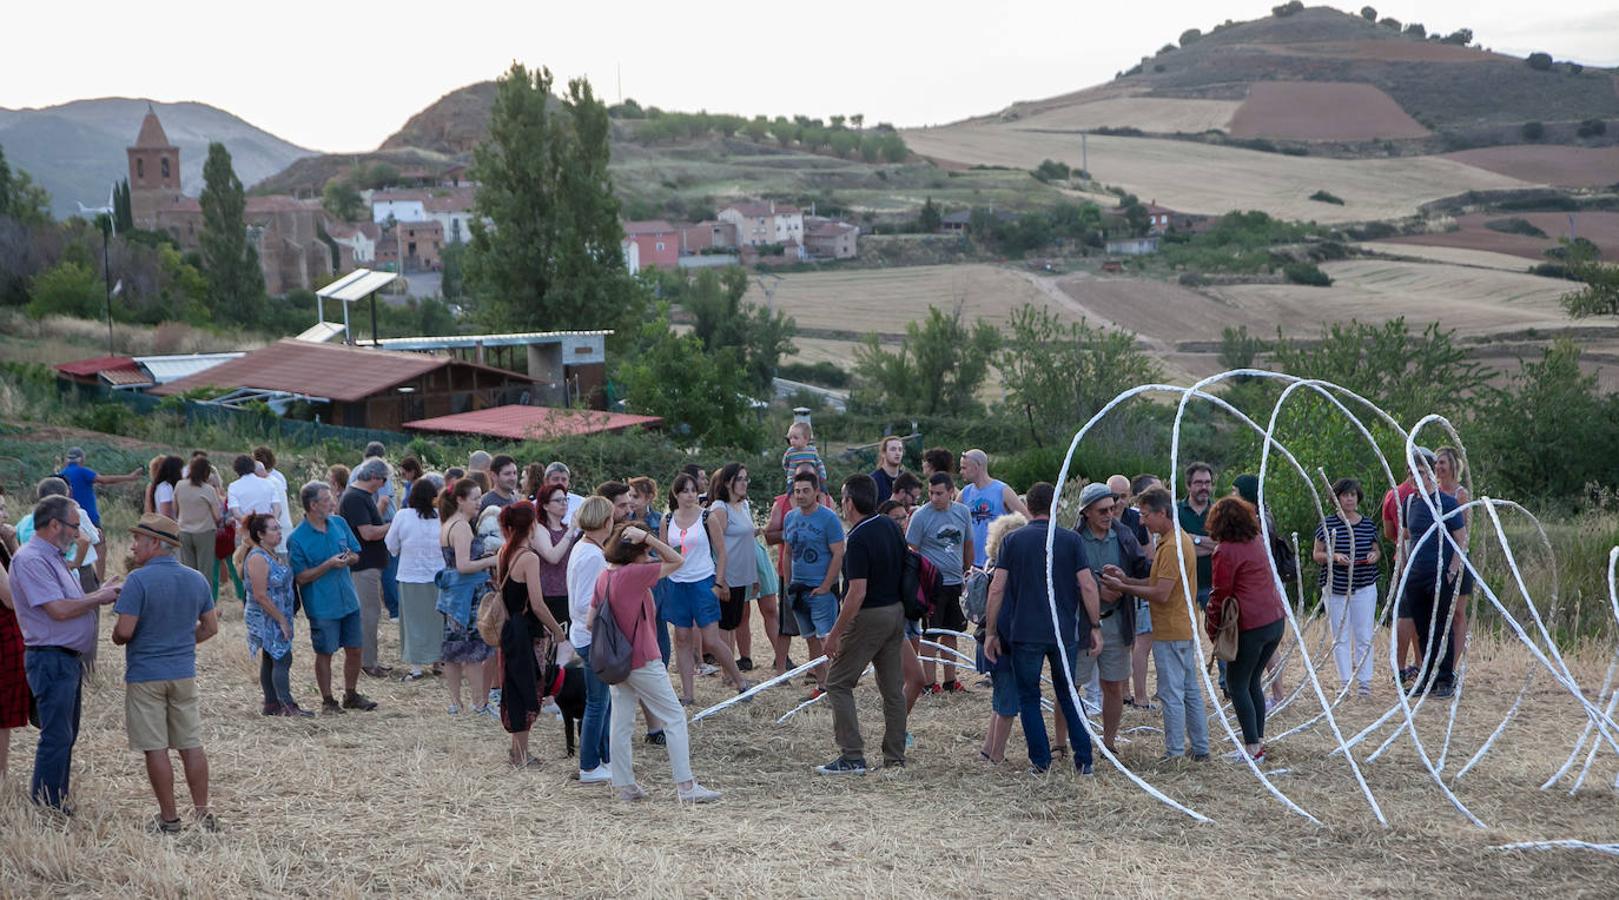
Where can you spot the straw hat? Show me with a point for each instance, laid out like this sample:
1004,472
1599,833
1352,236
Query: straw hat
161,527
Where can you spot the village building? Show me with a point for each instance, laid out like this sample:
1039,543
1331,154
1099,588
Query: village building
285,231
658,243
831,239
758,224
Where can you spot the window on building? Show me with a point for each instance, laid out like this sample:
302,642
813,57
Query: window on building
165,166
660,246
140,168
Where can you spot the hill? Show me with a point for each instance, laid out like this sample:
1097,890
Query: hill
1268,78
453,124
76,150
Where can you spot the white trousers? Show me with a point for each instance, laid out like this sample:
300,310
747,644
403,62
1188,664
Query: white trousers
650,685
1351,620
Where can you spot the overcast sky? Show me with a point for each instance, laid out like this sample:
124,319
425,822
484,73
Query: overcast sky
336,76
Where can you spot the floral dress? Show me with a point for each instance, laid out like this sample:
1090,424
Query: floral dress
462,643
262,631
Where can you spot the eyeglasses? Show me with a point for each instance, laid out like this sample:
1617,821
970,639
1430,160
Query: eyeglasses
73,525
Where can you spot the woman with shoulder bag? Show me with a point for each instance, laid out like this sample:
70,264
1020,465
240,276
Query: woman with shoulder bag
624,591
1242,571
460,583
528,622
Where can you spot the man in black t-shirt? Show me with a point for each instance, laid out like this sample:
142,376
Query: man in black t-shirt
870,629
359,509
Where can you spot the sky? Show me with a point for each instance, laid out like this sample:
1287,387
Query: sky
325,78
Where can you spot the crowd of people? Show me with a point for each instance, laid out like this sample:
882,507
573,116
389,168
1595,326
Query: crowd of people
502,577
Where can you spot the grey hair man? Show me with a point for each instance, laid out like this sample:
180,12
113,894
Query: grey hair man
321,550
557,473
359,509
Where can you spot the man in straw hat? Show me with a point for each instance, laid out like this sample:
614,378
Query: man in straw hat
165,610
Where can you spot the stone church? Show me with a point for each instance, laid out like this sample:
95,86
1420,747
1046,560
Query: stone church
286,231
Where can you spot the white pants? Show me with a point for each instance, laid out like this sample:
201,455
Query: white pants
650,685
1351,620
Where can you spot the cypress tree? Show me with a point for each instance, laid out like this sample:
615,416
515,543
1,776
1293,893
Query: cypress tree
231,264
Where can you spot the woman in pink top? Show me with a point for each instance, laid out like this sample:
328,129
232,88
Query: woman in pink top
1241,570
626,589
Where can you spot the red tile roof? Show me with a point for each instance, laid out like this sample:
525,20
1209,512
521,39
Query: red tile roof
86,368
532,422
333,371
131,375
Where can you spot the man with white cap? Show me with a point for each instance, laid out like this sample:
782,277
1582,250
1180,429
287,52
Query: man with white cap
164,612
1107,543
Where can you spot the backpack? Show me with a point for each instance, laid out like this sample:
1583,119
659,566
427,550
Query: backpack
919,584
610,650
1225,636
492,613
975,597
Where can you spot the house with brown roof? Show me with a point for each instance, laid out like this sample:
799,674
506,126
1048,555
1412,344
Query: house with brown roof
657,242
831,239
360,387
356,243
768,222
705,236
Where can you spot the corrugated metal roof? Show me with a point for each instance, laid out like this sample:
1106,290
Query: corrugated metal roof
165,369
318,370
532,422
84,368
458,341
357,285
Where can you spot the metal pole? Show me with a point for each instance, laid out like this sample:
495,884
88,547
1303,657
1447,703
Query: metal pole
375,337
106,276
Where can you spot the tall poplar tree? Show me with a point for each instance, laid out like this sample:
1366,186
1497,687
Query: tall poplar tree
230,263
546,249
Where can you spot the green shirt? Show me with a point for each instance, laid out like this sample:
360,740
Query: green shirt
1192,523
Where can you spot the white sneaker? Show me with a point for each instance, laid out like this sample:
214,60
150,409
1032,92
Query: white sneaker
598,775
455,710
550,708
706,670
697,794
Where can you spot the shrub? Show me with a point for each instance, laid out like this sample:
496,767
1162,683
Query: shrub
1532,131
1326,197
1390,23
1190,36
1539,61
1416,30
821,373
68,289
1368,13
1575,68
1051,170
1287,9
1308,274
1515,226
1592,128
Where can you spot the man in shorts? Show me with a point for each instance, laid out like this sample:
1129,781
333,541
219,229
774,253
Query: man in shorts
813,535
164,612
942,532
1108,543
321,550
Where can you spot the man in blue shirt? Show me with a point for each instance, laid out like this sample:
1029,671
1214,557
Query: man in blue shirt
81,483
321,551
164,612
1428,596
814,536
1018,622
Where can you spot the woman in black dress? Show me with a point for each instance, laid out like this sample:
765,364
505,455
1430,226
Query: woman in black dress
528,622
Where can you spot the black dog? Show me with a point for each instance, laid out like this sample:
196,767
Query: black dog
566,686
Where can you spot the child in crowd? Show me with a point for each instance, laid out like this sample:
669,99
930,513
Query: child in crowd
801,449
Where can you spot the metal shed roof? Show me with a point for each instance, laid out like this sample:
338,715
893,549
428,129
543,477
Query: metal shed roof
357,285
165,369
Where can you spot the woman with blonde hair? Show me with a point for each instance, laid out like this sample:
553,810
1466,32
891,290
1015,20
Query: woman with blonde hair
1003,692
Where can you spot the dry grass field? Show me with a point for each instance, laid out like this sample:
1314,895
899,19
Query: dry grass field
1163,115
859,301
1561,166
1209,179
1459,256
406,801
1322,111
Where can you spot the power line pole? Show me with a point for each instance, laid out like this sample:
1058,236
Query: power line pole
106,272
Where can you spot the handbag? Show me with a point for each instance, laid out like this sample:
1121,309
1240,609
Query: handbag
225,540
1225,634
611,653
492,613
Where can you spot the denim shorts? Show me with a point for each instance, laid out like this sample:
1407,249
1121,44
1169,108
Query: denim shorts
820,617
1143,618
1003,698
326,635
690,604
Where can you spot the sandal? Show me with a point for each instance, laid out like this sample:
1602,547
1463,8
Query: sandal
688,701
532,762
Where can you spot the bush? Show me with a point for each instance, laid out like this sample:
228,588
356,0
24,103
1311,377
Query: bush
1190,36
1515,226
1540,61
1592,128
1368,13
822,373
1051,170
1287,9
1308,274
1532,131
1325,197
1416,30
68,289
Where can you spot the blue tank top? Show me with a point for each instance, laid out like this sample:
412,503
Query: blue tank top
985,506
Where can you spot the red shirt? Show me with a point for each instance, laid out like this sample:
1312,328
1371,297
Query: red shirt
1391,507
632,607
1242,571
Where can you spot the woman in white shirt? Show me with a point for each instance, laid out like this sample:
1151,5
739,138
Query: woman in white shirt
691,597
413,536
585,564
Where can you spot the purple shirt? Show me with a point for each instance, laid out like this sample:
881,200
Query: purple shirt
39,575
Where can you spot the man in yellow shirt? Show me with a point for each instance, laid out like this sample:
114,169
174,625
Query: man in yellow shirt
1166,589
